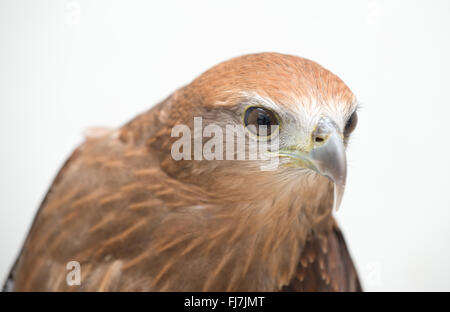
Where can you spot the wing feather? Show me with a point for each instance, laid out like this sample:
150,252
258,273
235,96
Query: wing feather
325,265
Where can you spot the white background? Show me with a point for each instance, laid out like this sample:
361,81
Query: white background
69,65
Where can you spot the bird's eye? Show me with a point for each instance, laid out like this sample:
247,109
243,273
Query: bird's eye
351,124
259,120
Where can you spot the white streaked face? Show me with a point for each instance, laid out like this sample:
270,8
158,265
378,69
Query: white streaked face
298,124
312,135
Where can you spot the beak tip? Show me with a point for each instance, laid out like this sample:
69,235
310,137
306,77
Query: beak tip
338,195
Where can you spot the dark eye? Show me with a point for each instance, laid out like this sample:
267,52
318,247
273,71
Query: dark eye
259,120
351,124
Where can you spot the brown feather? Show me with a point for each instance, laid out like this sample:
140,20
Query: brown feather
137,220
327,269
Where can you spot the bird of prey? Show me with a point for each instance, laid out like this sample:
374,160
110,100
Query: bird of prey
135,218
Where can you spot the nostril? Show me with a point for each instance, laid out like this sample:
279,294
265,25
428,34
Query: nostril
318,139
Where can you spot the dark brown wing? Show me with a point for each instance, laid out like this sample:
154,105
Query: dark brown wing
325,265
84,210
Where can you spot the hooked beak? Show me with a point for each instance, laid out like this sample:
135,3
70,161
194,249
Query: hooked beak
326,157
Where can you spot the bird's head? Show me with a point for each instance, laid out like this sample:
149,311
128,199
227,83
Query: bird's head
303,113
